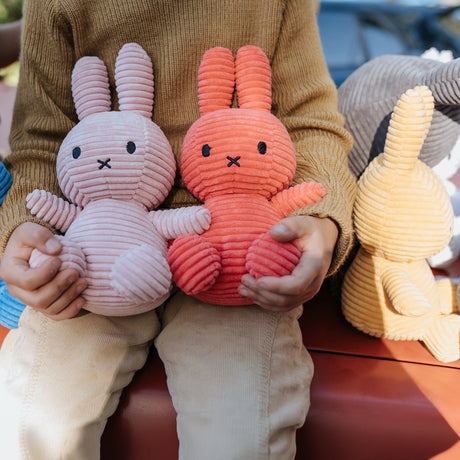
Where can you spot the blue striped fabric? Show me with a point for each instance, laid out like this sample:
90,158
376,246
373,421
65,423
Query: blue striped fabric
10,307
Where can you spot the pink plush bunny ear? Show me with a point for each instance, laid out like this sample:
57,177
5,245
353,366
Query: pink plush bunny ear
134,80
253,79
216,80
90,87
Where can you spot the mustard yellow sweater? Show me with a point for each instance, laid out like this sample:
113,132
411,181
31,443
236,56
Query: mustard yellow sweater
176,33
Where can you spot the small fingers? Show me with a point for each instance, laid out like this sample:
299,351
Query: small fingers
58,299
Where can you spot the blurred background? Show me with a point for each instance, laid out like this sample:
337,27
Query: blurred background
10,10
353,32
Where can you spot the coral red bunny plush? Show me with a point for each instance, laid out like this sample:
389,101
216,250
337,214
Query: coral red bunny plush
116,167
240,162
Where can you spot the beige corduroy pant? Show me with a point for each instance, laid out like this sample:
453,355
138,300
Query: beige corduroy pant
239,378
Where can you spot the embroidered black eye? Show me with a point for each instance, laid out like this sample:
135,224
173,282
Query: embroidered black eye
262,147
130,147
76,152
206,150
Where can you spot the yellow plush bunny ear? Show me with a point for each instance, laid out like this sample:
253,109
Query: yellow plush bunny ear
408,128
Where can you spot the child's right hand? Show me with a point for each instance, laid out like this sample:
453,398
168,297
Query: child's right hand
54,293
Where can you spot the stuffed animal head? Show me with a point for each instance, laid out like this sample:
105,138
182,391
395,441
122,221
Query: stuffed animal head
367,98
402,211
236,150
122,154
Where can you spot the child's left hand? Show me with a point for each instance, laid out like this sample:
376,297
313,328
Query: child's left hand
317,238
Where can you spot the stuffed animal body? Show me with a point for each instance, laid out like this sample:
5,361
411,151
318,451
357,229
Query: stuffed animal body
402,216
240,162
115,168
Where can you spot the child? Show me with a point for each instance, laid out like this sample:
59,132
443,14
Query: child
239,376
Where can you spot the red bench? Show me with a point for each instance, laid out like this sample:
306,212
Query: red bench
371,398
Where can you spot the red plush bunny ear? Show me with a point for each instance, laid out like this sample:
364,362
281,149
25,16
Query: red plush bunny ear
216,80
253,79
90,87
134,80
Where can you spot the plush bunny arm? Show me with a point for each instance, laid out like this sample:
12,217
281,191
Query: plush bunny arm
405,296
296,197
172,223
57,212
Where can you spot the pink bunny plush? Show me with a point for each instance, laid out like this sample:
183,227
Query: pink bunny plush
115,168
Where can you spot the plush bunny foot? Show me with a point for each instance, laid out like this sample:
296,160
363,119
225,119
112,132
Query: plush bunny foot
267,257
195,263
142,274
71,256
443,338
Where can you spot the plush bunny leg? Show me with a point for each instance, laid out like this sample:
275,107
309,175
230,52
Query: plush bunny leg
195,263
142,274
448,294
267,257
405,296
71,255
442,338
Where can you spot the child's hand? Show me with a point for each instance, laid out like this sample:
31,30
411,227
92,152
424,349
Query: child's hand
53,293
317,238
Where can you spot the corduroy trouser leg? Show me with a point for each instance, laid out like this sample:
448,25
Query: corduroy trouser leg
239,379
60,381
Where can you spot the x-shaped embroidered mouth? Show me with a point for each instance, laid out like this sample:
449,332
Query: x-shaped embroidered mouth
233,161
102,164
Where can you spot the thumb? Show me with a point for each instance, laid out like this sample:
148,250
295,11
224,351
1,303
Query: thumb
290,228
30,235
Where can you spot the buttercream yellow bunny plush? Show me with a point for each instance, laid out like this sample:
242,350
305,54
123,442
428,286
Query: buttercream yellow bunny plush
402,216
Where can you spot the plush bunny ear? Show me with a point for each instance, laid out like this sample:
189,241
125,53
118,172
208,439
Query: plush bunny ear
134,80
408,128
90,87
216,80
253,79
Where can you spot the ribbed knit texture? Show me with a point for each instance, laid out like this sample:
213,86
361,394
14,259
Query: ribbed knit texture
237,160
402,216
175,35
367,98
115,167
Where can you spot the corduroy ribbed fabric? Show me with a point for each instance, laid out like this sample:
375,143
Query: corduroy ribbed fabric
116,167
402,216
176,35
367,98
240,162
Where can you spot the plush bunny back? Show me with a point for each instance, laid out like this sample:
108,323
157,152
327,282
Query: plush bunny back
108,154
235,150
402,211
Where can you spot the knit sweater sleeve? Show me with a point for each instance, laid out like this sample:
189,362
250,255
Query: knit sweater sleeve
305,100
43,111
